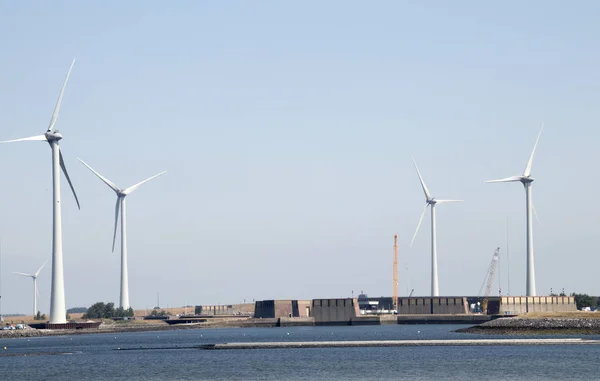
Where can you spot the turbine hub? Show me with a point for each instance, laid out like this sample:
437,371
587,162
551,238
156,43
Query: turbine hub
53,136
526,180
432,201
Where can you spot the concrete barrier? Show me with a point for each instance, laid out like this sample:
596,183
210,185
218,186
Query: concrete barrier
281,308
516,305
432,305
296,321
334,311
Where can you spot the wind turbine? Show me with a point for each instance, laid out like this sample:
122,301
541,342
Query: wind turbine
526,180
34,276
52,137
430,202
121,194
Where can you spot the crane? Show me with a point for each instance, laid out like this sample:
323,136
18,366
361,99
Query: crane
488,280
395,275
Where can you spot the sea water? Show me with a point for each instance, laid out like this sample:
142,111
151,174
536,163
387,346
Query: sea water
170,355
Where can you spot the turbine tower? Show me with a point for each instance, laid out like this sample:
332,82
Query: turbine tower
526,180
121,194
34,276
52,137
430,202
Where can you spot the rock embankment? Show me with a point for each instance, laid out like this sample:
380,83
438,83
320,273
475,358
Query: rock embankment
109,326
545,325
17,333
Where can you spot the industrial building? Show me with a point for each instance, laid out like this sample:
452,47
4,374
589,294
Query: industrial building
452,309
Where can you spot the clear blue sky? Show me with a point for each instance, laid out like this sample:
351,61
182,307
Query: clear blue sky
287,131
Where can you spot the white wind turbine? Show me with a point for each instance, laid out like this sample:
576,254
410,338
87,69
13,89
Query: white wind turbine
121,194
526,180
52,136
430,202
34,276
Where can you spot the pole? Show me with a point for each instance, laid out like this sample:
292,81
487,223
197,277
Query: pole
530,262
395,275
435,291
507,258
1,317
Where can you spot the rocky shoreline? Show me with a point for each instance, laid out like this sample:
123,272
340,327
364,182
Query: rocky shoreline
538,326
110,327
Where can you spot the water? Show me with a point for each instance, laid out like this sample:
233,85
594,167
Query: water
166,356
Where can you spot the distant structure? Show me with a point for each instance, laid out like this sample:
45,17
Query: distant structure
395,275
488,280
58,312
526,180
121,194
430,202
34,276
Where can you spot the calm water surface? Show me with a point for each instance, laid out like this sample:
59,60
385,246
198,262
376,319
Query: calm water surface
167,356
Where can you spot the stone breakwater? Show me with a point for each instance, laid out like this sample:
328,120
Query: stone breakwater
30,332
395,343
537,325
112,327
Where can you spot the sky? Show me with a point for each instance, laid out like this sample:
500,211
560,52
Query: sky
286,129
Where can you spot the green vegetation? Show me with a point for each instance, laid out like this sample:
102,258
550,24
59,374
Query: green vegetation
39,316
157,312
101,310
77,310
584,300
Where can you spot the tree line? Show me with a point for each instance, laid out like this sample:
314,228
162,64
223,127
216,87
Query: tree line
101,310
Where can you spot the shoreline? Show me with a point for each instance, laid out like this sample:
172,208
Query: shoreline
114,328
544,324
528,324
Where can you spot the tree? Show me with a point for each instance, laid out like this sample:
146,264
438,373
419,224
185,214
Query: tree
121,312
156,312
106,310
584,300
96,311
39,316
77,310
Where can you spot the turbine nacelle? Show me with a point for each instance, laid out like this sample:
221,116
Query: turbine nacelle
523,179
53,136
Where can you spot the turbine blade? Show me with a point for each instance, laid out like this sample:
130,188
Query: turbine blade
106,181
40,269
136,186
534,212
506,180
36,138
446,201
117,207
29,275
59,101
419,224
425,190
530,162
64,169
37,291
